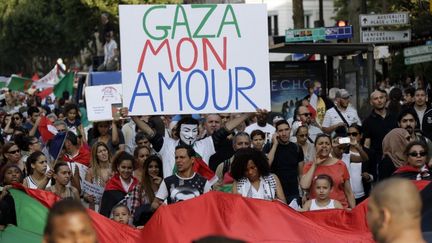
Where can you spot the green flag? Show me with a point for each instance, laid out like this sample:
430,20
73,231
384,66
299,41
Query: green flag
13,234
65,84
31,214
19,83
31,217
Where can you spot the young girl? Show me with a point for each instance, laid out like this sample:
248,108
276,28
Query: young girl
73,120
62,177
121,214
323,186
39,173
121,184
141,153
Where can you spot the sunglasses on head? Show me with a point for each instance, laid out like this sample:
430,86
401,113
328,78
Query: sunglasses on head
417,154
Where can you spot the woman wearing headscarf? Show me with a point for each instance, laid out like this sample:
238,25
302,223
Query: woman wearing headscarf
394,145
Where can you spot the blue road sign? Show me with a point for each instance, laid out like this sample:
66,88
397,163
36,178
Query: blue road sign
335,33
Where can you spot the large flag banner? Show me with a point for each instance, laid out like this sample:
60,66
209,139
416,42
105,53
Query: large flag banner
183,59
251,220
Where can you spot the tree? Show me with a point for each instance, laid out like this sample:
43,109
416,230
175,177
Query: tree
40,31
298,14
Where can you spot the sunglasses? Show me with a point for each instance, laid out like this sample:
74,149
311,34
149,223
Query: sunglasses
306,114
417,154
354,134
13,151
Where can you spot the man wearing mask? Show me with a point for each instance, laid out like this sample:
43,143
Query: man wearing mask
322,103
187,128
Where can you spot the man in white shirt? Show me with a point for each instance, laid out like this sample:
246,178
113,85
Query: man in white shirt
262,125
333,118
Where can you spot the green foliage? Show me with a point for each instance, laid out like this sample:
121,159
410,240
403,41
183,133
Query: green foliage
40,31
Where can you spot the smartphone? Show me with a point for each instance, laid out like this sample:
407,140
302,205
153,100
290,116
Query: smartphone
345,140
115,109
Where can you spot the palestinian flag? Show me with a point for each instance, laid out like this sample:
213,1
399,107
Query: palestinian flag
17,83
214,213
32,207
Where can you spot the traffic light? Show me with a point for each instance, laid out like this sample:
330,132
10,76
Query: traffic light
341,23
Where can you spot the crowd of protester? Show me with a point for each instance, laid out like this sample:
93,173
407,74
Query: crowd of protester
324,157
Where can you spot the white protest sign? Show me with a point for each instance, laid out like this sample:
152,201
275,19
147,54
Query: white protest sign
93,189
100,101
182,59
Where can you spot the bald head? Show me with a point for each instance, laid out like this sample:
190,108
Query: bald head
400,196
394,210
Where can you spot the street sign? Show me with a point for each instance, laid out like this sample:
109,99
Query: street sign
335,33
417,50
369,20
385,36
418,59
299,35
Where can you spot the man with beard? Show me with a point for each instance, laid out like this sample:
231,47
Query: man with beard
341,115
423,112
187,129
394,212
407,121
304,118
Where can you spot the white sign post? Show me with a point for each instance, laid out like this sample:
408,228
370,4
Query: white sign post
386,36
370,20
185,59
100,101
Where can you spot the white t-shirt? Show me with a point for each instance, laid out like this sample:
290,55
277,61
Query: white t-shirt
204,147
109,51
332,117
268,130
